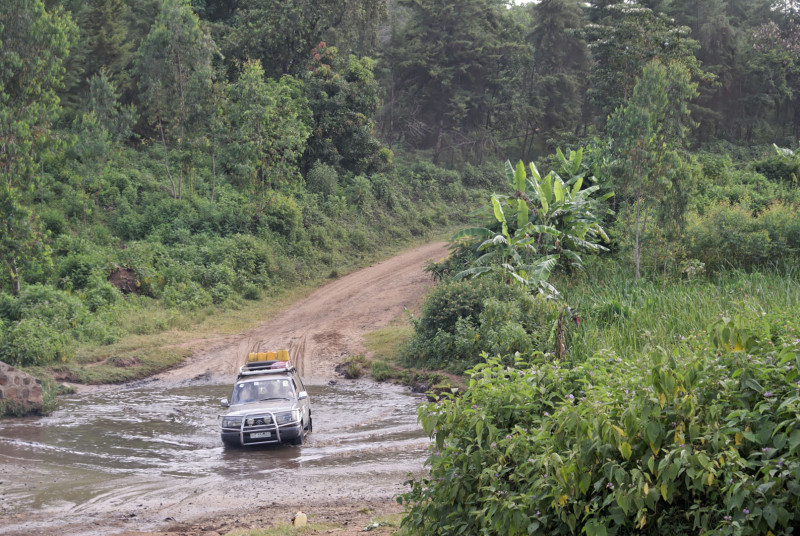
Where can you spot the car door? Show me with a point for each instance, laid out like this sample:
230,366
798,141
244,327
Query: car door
304,403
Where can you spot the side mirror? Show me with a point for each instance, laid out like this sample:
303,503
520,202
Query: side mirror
224,402
302,395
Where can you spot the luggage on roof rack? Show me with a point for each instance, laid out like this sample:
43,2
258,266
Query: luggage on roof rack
266,363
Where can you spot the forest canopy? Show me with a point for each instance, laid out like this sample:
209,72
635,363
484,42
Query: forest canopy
160,138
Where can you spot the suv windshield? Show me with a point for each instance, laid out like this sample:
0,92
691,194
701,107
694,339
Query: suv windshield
259,390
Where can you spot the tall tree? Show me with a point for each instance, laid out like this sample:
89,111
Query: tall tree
268,125
35,44
450,61
562,63
343,97
776,66
281,34
115,118
104,29
646,134
627,39
175,73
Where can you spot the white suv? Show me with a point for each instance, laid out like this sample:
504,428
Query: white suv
269,404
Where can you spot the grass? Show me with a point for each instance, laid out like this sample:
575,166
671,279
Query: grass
630,317
354,366
385,344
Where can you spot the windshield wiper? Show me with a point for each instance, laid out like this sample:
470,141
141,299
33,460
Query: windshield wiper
274,398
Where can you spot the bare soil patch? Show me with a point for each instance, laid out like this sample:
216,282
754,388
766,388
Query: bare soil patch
324,328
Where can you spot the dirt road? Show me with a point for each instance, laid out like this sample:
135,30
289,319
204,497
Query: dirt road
325,327
147,457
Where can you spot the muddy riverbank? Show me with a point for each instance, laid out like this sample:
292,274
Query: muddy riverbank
147,457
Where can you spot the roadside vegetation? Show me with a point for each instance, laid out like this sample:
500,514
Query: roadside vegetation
640,380
623,307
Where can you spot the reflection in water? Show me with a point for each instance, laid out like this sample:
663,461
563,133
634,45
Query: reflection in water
118,447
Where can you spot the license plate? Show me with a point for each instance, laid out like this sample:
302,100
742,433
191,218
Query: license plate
260,435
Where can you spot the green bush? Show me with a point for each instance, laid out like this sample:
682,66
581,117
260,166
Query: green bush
486,177
283,216
359,194
463,319
360,240
687,442
53,221
385,191
381,371
730,236
96,329
76,270
322,179
778,169
461,257
187,296
34,341
453,300
220,293
55,307
100,294
251,292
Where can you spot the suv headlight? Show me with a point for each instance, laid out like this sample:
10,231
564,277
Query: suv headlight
231,422
288,416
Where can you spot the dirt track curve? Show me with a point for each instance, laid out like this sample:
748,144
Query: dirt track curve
327,325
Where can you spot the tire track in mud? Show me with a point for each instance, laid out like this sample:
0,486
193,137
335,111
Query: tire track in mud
324,328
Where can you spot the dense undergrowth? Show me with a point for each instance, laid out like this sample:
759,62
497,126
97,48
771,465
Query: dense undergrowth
674,411
701,437
666,404
192,256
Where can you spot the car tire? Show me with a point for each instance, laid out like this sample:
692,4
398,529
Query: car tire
299,440
310,424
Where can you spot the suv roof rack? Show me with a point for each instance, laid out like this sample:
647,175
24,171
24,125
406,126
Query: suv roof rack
266,367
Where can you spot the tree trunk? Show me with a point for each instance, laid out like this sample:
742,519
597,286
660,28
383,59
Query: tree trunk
166,158
438,142
15,288
213,173
636,247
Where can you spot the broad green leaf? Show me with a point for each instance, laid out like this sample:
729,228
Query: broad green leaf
522,213
577,186
794,440
544,229
535,173
472,272
547,191
519,177
472,232
500,216
509,173
558,190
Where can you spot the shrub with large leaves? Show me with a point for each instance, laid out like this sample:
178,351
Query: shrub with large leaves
555,219
685,442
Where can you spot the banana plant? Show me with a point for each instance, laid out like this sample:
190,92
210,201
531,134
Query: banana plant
565,207
511,255
555,219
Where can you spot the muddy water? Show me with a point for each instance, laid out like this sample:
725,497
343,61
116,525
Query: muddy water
135,458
